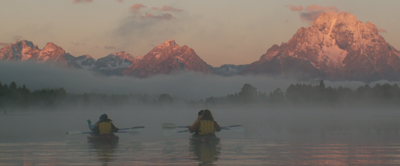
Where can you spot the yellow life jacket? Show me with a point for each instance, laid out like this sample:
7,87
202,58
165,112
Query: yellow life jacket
105,128
207,127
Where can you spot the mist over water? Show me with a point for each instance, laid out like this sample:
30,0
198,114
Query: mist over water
274,134
278,122
283,123
186,86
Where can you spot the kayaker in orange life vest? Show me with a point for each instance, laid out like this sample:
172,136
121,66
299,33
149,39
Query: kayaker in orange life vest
103,126
205,125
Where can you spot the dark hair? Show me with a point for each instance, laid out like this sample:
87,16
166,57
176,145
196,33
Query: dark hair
200,112
207,115
103,117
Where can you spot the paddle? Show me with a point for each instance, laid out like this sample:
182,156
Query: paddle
135,129
172,126
78,132
236,128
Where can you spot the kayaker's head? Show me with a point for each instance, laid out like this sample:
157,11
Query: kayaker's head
103,117
206,115
200,112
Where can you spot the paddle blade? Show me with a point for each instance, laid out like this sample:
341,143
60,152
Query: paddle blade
169,126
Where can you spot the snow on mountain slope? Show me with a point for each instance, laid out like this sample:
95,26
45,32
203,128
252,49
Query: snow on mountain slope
337,47
229,69
167,58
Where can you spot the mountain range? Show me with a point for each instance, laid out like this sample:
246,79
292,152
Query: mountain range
336,47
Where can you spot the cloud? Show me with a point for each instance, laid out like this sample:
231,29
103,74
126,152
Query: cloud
167,8
310,13
82,1
145,25
295,8
165,16
382,30
77,44
136,7
151,14
317,8
109,48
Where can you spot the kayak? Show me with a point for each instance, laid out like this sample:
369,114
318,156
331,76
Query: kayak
103,138
205,138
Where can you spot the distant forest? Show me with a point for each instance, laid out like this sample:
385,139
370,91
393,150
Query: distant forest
14,96
308,94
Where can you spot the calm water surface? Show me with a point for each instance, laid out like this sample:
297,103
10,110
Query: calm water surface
183,152
39,139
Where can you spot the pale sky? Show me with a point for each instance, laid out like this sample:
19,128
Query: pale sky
220,31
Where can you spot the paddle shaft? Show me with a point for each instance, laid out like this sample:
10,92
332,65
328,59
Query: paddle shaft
91,132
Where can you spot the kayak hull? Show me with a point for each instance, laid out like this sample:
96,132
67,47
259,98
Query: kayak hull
103,138
200,139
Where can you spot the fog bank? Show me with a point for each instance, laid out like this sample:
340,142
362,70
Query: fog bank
188,86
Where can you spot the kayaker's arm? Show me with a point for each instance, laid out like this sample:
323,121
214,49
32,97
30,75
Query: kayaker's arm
113,128
96,129
195,127
197,120
91,127
217,127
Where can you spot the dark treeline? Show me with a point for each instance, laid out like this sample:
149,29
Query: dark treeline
13,96
313,94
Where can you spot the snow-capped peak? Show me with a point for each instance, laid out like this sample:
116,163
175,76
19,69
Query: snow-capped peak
123,55
168,44
87,56
51,47
337,46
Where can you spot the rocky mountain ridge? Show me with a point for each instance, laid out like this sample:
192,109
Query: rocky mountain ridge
165,58
336,47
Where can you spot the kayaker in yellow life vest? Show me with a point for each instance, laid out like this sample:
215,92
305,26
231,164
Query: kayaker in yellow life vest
205,125
198,118
104,126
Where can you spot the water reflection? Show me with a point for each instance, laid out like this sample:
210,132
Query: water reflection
179,152
344,154
105,151
205,150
